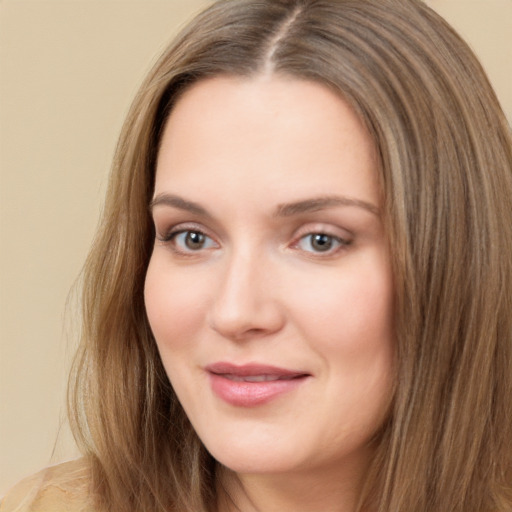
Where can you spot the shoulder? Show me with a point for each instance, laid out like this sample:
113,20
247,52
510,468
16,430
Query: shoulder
61,488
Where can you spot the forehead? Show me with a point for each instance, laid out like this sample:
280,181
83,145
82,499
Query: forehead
264,134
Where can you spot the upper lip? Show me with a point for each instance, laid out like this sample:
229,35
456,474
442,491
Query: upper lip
252,370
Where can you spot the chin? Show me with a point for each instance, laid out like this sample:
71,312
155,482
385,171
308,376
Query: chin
255,456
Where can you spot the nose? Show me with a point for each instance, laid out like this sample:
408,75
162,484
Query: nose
246,304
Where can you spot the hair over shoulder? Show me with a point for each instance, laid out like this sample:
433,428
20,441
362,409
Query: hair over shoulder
445,171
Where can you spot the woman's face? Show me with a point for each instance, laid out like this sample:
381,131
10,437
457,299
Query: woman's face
269,290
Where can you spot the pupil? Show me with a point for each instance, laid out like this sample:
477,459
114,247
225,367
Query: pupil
194,240
321,242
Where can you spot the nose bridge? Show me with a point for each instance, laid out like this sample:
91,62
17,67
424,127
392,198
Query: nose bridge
245,304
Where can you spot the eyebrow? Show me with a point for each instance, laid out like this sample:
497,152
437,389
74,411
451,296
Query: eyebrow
282,210
179,203
321,203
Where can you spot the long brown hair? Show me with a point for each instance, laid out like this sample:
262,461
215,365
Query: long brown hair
446,174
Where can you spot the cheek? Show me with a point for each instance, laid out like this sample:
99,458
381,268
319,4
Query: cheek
174,304
351,312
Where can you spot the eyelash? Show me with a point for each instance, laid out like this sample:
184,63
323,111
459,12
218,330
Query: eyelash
340,243
330,239
170,239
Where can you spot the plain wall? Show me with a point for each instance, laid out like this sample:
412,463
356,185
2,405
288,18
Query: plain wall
68,72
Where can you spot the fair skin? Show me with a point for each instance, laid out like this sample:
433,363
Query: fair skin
269,290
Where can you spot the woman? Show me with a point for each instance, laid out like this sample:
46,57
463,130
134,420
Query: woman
299,298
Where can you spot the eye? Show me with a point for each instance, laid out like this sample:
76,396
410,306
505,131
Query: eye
191,241
321,243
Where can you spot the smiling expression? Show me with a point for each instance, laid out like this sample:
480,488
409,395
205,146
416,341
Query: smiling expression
269,290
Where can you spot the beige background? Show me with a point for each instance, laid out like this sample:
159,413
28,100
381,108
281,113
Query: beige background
68,71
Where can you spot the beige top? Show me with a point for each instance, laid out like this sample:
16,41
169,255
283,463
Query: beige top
60,488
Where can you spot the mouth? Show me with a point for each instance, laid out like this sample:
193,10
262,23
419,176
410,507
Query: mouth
256,378
252,384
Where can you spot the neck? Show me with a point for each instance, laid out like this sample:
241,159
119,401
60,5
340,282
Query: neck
325,490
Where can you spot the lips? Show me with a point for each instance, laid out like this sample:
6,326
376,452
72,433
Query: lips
254,378
252,384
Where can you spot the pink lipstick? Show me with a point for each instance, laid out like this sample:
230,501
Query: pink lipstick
252,384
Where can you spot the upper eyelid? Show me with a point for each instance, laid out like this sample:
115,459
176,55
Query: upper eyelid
306,228
168,223
181,227
325,228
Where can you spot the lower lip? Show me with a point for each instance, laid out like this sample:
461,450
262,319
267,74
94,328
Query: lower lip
251,394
